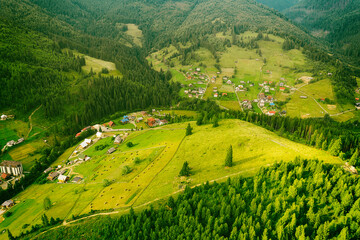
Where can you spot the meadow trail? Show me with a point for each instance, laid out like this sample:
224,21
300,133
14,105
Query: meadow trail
31,125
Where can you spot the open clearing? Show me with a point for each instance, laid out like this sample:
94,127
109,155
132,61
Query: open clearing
135,32
161,153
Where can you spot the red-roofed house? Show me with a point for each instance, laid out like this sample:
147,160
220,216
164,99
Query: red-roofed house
78,134
357,99
282,89
271,113
224,94
111,123
5,176
151,122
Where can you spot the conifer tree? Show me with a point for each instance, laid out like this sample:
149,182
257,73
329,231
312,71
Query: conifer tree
185,171
354,158
189,130
229,157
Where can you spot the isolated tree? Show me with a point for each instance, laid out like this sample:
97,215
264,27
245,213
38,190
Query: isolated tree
130,144
215,122
185,171
47,203
354,158
189,130
229,157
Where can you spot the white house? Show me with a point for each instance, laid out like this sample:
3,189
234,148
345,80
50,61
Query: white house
3,117
99,134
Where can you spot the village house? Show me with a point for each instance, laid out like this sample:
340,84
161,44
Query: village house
357,105
7,204
303,97
216,95
111,150
139,119
282,89
20,140
11,143
118,140
271,113
85,143
5,176
11,167
3,117
99,134
63,178
198,69
52,176
125,119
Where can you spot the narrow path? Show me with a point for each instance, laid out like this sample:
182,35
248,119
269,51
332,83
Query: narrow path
238,98
31,125
340,113
313,99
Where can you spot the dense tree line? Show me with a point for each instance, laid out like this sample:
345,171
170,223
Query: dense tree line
300,200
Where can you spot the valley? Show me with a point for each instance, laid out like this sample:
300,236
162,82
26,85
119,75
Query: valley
186,119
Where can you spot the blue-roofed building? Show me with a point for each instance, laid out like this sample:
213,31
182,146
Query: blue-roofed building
125,119
272,104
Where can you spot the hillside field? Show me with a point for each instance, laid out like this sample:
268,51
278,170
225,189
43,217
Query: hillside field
155,161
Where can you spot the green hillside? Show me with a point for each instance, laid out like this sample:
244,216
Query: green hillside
302,200
161,153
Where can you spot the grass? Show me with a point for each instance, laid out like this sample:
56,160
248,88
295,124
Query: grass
205,151
124,126
187,113
135,33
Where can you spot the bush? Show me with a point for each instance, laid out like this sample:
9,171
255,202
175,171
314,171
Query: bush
7,214
126,170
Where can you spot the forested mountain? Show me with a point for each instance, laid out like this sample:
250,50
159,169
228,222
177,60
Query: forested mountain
279,4
337,21
301,200
37,70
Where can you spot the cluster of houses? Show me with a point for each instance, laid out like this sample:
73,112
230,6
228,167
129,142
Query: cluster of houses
243,86
194,92
191,75
153,122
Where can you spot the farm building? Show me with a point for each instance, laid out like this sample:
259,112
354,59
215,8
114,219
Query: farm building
3,117
11,167
52,176
85,143
111,124
48,170
111,150
63,178
76,179
357,105
7,204
303,97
